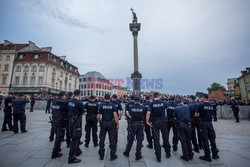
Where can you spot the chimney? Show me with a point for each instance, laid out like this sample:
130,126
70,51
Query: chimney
243,72
248,69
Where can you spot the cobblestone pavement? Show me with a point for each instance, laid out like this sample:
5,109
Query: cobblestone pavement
34,149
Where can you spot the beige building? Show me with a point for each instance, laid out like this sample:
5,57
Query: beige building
244,83
8,51
38,71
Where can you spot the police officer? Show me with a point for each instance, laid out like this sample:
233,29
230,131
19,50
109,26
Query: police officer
109,123
129,104
214,104
182,116
147,129
32,103
91,107
195,124
49,100
205,111
171,122
156,111
76,110
66,131
136,114
236,110
119,110
8,113
59,114
19,112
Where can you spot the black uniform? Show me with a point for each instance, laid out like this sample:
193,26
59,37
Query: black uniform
76,109
195,126
32,103
66,123
7,114
171,124
91,108
59,114
157,110
214,104
118,107
137,113
49,100
147,129
207,131
127,106
106,109
182,115
236,110
19,114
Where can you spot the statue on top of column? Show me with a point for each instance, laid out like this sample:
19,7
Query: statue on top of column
134,16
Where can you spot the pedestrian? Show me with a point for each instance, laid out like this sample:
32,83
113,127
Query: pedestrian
156,111
236,110
19,112
49,100
8,107
109,122
205,111
91,108
182,117
76,110
136,114
59,114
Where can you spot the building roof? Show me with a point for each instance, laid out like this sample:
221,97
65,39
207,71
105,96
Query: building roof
231,80
15,46
93,74
245,72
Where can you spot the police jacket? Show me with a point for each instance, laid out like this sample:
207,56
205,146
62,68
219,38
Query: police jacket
59,110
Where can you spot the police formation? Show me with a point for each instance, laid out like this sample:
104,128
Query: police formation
191,124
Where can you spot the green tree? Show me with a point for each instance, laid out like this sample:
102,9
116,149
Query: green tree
199,94
215,86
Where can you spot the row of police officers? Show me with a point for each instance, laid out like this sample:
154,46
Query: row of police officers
156,117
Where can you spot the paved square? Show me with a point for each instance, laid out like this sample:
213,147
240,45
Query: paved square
33,149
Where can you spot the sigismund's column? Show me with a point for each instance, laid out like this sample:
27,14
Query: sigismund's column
136,75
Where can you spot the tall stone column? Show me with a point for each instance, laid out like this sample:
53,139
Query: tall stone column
136,75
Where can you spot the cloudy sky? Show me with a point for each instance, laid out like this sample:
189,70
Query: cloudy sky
188,43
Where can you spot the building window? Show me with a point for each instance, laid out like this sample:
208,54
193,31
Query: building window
53,71
17,80
61,74
21,57
70,77
26,68
1,57
7,57
18,68
25,80
41,68
36,56
54,59
33,68
4,81
60,84
84,79
32,80
61,63
40,81
6,67
70,86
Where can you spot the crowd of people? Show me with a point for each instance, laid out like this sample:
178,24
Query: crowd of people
189,117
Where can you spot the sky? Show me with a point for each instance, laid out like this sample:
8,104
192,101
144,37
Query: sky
189,44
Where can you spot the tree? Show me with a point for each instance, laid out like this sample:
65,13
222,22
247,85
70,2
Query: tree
199,94
215,86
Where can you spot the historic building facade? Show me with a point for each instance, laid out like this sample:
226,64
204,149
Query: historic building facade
38,71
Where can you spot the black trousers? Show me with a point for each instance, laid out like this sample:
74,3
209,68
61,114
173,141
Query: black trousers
135,130
32,107
19,116
185,138
148,132
75,134
7,120
47,109
160,126
59,136
215,114
236,115
208,135
195,127
110,128
171,125
91,124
